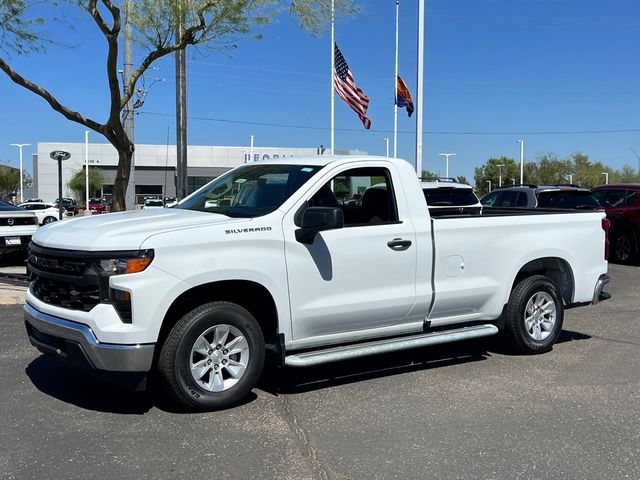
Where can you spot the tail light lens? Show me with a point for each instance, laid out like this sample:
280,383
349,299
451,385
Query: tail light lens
606,224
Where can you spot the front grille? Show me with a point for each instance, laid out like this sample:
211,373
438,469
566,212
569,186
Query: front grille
66,294
63,278
16,221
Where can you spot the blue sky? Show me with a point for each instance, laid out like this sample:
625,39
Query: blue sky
495,71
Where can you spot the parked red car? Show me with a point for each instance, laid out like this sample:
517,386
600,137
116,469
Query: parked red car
622,204
96,205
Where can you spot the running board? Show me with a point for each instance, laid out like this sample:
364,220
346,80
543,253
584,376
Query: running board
349,352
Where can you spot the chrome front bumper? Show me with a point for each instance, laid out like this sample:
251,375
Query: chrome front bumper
76,344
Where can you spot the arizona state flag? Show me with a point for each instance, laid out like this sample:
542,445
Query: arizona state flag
403,96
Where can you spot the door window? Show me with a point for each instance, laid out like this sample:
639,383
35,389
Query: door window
632,197
365,196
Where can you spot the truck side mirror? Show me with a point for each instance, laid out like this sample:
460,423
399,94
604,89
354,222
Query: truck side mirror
318,219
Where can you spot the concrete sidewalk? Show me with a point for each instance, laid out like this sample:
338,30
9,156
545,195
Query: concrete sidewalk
12,294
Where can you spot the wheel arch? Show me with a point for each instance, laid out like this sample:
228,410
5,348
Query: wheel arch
248,294
556,269
623,226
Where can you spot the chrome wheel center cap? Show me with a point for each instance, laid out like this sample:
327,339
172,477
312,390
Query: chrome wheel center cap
217,355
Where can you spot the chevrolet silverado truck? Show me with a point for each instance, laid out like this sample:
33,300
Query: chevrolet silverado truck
264,258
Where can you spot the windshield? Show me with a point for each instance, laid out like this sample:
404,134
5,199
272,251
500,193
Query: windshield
251,190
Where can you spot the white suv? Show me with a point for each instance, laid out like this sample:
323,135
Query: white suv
446,196
16,228
46,212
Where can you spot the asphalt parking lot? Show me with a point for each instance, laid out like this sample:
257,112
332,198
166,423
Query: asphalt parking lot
462,411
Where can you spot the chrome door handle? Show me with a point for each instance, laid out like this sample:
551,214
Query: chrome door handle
398,244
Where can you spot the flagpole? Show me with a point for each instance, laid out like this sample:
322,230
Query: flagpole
395,91
419,89
333,65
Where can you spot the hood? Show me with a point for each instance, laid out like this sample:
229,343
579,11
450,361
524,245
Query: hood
123,230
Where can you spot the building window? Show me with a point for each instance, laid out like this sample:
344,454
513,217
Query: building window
143,192
194,183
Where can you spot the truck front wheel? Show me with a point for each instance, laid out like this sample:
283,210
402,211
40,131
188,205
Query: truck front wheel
212,357
534,315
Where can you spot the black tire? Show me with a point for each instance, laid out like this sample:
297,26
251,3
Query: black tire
624,247
539,334
178,355
48,220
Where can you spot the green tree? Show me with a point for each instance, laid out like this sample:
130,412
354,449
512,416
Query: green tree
9,180
627,174
552,170
77,182
428,176
217,24
490,172
462,179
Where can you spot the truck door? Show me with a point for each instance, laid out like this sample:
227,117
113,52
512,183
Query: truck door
362,276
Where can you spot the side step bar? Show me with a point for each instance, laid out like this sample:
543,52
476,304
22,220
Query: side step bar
349,352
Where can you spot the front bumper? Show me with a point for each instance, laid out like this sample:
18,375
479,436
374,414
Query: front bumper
76,344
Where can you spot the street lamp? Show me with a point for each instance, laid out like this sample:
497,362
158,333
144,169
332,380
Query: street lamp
513,181
521,142
570,179
446,167
637,156
20,145
606,178
386,141
500,174
489,182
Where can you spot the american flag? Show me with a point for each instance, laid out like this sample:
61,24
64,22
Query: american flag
346,87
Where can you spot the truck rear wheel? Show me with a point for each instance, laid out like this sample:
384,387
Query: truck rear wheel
534,315
212,357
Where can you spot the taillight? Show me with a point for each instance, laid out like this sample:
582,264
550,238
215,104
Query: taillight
606,224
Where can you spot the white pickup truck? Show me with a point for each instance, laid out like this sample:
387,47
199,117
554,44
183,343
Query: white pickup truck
270,256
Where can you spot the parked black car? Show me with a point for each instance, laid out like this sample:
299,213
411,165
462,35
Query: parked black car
69,204
546,196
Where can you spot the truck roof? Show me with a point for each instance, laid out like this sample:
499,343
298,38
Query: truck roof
320,160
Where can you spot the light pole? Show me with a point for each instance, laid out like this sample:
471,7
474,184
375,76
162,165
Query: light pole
570,179
20,145
500,174
489,182
521,142
606,178
86,173
386,141
637,156
251,148
513,181
446,165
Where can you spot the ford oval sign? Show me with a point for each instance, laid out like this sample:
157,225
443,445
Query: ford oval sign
60,155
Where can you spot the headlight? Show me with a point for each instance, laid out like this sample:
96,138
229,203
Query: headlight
119,266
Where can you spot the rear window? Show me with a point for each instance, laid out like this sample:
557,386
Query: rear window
450,197
568,199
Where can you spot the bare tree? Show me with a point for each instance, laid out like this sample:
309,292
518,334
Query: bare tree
216,24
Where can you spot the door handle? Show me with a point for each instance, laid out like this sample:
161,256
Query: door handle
398,244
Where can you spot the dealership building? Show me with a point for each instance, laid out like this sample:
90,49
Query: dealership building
155,166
